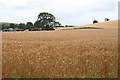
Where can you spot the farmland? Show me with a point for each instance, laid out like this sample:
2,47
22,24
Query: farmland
78,53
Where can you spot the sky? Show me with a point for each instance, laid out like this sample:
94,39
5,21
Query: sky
67,12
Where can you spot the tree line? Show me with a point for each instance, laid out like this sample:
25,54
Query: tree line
45,21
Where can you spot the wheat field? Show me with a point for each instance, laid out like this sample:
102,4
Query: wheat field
79,53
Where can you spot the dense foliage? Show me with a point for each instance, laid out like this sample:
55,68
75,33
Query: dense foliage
45,21
95,21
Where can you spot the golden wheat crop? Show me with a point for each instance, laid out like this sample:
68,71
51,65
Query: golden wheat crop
60,54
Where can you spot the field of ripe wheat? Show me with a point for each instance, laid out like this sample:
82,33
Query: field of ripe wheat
60,54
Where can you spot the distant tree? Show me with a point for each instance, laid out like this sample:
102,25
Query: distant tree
3,27
16,26
12,25
38,24
6,27
95,21
57,24
69,26
47,27
66,25
29,25
46,20
106,19
22,26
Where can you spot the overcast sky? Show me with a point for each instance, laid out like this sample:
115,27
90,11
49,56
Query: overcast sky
67,12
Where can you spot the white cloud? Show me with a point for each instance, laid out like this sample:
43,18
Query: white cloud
76,12
13,3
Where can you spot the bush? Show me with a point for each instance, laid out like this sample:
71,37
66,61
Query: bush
95,21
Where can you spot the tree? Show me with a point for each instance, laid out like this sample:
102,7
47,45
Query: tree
16,26
38,24
46,20
106,19
3,27
57,24
47,27
66,25
22,26
95,21
12,25
29,25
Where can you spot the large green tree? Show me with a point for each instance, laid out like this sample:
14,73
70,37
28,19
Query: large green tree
46,20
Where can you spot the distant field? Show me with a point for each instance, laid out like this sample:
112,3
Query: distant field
108,24
80,53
